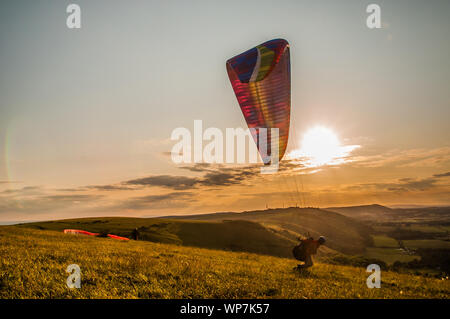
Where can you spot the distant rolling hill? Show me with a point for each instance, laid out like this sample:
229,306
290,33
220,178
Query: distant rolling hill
369,213
382,214
429,215
270,232
343,234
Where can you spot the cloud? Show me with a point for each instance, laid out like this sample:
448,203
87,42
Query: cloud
32,200
213,176
169,181
170,200
198,167
108,187
404,158
43,203
402,184
27,190
442,175
72,190
421,184
71,198
220,179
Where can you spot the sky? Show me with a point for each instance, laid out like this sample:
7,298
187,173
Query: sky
86,114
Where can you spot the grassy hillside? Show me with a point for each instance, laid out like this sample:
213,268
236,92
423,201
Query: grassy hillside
236,235
343,234
377,213
271,232
33,263
366,213
274,232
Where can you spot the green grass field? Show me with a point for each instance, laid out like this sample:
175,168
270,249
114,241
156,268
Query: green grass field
384,241
427,243
389,255
429,229
33,264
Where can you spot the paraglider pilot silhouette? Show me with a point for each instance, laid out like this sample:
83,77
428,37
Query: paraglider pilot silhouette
305,249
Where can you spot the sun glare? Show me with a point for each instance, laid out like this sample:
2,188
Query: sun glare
321,146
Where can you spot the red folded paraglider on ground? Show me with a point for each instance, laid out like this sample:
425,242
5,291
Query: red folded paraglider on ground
79,232
83,232
117,237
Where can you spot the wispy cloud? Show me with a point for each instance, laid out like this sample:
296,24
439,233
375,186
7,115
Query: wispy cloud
442,175
403,184
213,176
405,158
149,202
168,181
108,187
27,190
43,203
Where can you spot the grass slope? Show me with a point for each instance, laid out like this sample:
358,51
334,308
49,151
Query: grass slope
343,234
229,235
33,263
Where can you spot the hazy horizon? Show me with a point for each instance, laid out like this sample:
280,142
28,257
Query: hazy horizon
220,212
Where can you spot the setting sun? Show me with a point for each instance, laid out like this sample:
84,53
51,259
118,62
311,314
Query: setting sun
321,146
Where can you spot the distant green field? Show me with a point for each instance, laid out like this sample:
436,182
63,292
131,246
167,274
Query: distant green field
384,241
428,228
383,228
33,264
389,255
427,243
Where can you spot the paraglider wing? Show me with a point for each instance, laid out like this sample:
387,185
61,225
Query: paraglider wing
117,237
86,233
79,232
261,80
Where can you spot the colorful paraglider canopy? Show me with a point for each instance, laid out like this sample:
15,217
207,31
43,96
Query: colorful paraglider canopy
83,232
79,232
117,237
261,80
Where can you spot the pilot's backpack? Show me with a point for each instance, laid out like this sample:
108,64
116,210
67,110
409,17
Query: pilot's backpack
299,251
